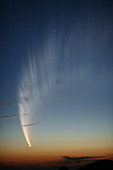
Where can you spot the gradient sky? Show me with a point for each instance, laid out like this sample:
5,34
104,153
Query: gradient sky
56,69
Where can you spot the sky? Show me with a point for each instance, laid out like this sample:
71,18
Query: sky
56,82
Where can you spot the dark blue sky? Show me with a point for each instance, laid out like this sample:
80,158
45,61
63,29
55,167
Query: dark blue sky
32,22
83,28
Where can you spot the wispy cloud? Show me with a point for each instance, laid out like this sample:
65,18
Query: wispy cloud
25,114
8,116
30,124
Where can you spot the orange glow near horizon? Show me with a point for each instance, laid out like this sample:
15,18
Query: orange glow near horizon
33,156
50,150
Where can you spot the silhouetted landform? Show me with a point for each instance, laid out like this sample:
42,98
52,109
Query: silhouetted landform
99,165
9,168
63,168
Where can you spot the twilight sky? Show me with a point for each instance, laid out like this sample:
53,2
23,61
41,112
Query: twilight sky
56,70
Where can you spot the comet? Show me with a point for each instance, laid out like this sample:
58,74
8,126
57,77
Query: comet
34,86
27,137
23,121
28,95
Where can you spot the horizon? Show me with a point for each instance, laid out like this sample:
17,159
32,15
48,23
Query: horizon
107,161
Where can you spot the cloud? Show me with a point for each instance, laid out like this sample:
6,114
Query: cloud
25,114
81,159
8,116
30,124
74,162
14,115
